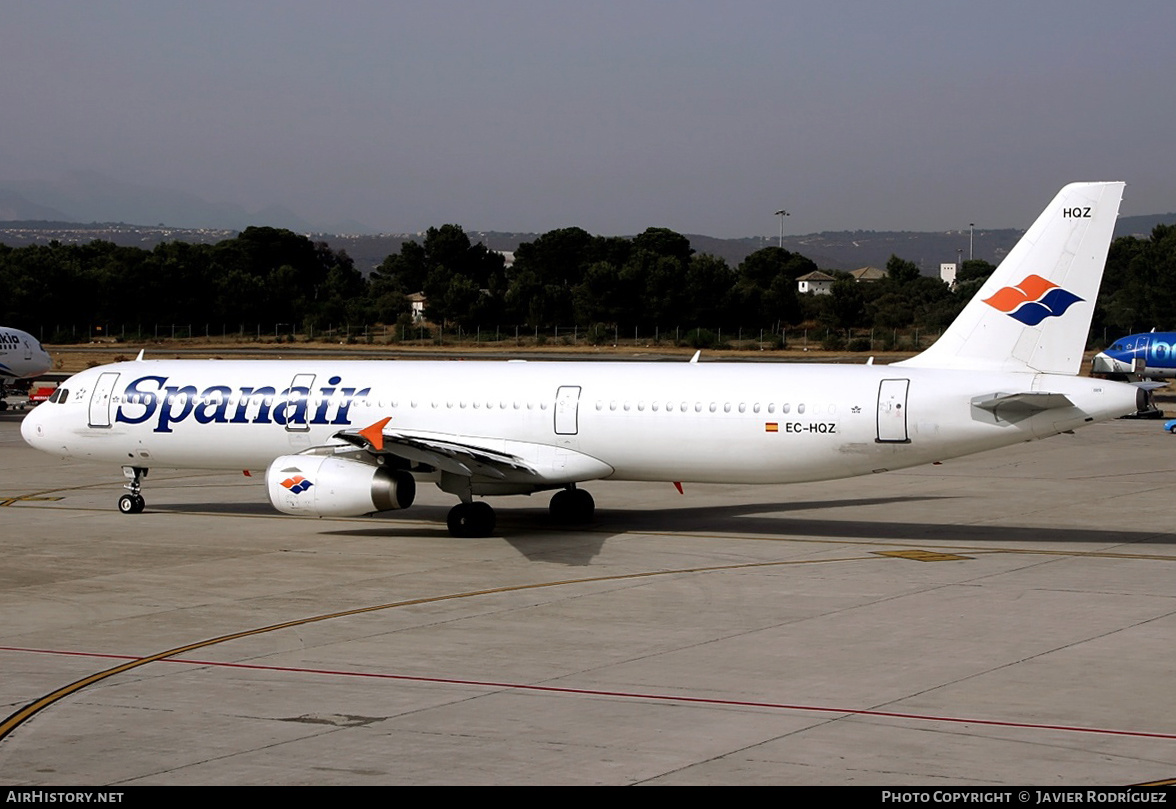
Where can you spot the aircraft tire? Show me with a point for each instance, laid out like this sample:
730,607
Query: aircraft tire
469,520
131,504
572,507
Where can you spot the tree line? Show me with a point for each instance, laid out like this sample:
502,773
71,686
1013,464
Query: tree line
564,278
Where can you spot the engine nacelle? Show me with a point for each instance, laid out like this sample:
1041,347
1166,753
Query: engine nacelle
326,486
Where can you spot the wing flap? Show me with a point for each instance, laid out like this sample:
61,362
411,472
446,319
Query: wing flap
446,454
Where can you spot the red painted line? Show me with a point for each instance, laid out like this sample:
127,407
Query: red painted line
780,706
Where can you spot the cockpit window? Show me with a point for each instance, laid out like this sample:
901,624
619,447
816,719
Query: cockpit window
59,395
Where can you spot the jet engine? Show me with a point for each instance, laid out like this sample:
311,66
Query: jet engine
326,486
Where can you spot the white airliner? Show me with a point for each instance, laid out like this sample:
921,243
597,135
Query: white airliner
21,357
353,438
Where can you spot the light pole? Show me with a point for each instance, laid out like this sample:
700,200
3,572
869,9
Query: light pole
971,225
782,213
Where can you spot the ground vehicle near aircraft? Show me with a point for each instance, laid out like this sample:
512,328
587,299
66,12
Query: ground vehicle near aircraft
21,357
352,438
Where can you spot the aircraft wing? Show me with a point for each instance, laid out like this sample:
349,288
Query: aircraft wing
446,454
492,465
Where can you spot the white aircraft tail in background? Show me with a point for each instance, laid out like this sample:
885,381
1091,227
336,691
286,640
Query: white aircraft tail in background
353,438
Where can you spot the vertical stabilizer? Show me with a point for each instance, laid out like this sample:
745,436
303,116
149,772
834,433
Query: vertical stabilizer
1033,314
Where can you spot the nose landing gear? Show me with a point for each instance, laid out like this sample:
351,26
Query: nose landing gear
133,503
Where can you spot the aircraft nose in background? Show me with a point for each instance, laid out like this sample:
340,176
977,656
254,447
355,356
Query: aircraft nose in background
32,428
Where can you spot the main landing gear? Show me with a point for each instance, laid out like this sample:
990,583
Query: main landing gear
133,503
572,506
470,518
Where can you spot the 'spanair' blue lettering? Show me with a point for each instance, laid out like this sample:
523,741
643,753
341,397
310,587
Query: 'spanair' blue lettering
140,394
177,397
216,402
150,397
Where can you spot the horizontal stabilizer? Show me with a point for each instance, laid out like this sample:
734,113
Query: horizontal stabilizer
1013,407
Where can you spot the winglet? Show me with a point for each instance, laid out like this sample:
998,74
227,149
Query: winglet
140,357
694,359
375,433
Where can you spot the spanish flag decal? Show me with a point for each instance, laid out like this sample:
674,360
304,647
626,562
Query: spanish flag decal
772,427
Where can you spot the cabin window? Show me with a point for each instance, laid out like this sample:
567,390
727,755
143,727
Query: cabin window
800,408
742,407
785,408
772,408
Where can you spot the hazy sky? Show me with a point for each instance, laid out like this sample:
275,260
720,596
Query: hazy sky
704,117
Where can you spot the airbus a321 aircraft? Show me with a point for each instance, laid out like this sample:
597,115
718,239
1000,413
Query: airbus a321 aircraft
21,357
353,438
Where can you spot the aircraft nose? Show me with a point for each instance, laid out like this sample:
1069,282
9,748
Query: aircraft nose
1104,363
33,428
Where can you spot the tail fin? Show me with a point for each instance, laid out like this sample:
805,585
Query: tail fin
1033,313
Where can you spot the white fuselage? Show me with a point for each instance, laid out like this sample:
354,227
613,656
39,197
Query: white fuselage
705,422
21,355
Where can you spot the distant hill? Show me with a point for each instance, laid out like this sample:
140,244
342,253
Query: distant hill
86,196
831,250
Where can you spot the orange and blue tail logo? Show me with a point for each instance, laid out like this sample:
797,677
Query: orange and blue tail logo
297,484
1033,300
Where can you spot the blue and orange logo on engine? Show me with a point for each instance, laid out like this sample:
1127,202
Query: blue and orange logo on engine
1033,300
297,484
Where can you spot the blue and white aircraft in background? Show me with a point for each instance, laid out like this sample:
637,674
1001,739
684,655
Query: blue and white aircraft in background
1139,356
351,438
21,357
